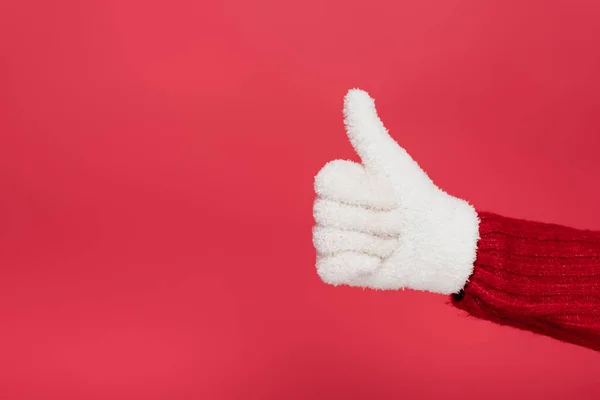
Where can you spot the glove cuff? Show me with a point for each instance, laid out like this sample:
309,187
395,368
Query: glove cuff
449,247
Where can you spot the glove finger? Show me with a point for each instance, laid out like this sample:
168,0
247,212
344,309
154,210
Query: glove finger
346,268
330,241
348,182
333,214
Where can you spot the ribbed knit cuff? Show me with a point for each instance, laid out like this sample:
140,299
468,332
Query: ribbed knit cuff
540,277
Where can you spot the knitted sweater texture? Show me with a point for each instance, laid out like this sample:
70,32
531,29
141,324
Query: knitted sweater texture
540,277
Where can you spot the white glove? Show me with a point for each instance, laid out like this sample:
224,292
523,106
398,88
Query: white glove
384,224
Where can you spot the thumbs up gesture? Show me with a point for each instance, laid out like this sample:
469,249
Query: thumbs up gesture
383,223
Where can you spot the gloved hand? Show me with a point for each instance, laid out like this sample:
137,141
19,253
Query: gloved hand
384,224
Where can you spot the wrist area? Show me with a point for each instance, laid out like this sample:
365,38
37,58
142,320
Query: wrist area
449,249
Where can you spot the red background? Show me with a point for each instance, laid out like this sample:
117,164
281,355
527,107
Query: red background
156,166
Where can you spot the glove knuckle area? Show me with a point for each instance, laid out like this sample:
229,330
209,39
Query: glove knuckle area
348,182
331,241
346,268
333,214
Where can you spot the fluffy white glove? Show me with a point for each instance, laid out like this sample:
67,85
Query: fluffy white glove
384,224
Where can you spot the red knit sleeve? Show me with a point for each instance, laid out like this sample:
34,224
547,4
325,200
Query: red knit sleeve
540,277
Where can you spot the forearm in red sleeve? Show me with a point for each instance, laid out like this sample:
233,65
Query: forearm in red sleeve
540,277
